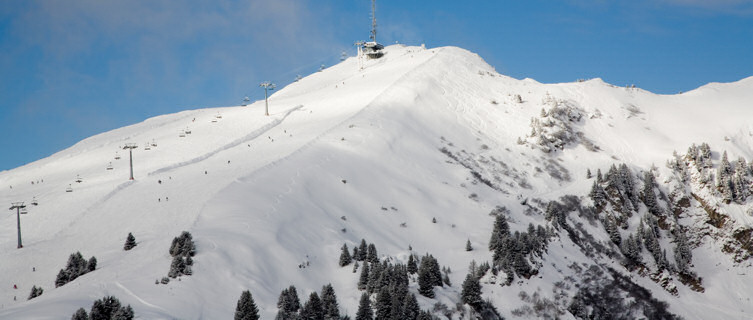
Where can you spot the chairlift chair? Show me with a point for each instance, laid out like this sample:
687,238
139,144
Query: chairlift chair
218,116
23,211
34,201
154,144
245,101
117,156
78,179
182,134
187,131
147,146
109,166
214,120
69,189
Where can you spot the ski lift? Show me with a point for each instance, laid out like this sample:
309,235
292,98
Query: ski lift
34,201
78,179
187,131
218,116
69,189
154,144
182,134
117,156
109,166
147,146
245,101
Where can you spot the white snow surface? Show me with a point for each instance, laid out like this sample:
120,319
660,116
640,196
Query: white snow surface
263,195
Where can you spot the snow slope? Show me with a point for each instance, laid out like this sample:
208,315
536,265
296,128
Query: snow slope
346,154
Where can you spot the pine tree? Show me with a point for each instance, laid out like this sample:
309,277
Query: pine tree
364,308
468,246
123,314
649,198
80,314
412,266
35,292
372,255
383,304
329,303
288,303
92,264
597,194
363,280
611,227
246,308
62,278
345,258
130,242
588,174
425,315
411,309
500,231
362,249
425,281
105,308
375,277
683,253
176,267
471,292
312,309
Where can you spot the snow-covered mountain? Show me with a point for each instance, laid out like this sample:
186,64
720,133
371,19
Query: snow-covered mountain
417,153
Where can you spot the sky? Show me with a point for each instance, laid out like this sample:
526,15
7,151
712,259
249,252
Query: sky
73,69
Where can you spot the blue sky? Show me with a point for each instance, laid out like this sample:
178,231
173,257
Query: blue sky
72,69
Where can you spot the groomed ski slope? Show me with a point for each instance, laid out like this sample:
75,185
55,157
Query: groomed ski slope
264,196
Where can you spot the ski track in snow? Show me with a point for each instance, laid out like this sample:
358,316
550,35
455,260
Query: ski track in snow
142,301
251,136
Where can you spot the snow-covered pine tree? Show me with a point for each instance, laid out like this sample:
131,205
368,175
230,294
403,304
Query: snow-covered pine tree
91,265
312,309
425,281
124,313
105,308
383,304
364,308
80,314
363,280
246,308
412,266
362,250
329,303
371,254
288,304
598,195
345,258
468,246
610,226
35,292
471,291
683,253
62,278
411,310
500,231
130,242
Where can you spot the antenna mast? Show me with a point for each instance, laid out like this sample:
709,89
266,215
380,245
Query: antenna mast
373,21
